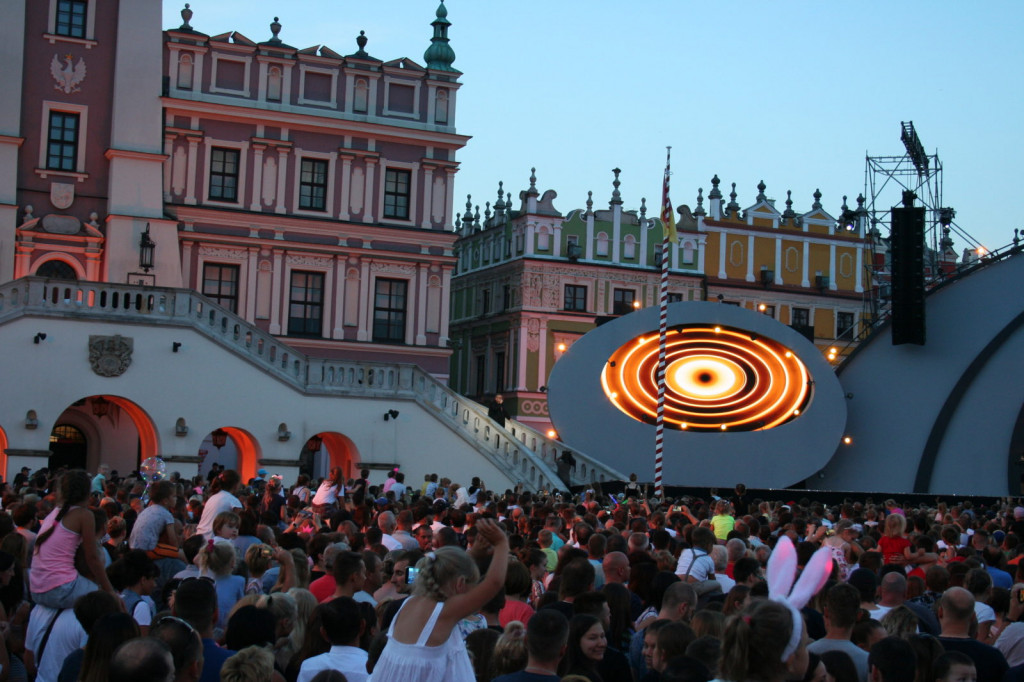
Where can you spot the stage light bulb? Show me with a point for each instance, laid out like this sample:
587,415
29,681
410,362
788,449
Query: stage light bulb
718,330
789,354
636,304
762,307
847,440
552,433
723,427
614,395
561,348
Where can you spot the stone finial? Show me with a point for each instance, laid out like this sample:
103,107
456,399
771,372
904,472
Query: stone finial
275,28
361,41
469,204
715,192
487,212
1016,237
760,191
590,203
186,16
616,195
643,209
817,200
732,206
844,207
476,217
532,191
700,202
94,219
860,201
500,203
789,213
28,213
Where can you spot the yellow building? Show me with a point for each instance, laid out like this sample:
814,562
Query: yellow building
809,270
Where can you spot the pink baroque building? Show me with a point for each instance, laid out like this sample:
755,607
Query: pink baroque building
307,191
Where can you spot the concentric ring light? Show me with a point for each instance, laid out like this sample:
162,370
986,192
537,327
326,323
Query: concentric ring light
717,378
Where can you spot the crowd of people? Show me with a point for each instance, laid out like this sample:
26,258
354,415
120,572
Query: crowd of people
345,578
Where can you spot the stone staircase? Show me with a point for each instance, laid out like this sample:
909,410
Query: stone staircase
522,453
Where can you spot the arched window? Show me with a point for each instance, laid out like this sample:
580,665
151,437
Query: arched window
185,71
274,80
362,96
441,107
602,243
543,239
57,269
629,247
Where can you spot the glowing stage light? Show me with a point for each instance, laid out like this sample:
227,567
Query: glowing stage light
716,379
847,440
552,433
561,348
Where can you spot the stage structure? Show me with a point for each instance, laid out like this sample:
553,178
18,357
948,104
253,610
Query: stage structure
746,396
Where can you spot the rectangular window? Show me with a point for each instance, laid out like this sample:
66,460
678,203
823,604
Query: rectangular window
766,309
220,283
313,185
499,372
575,297
389,310
622,301
801,317
306,304
481,374
485,301
506,297
844,326
396,194
224,174
71,18
62,141
675,298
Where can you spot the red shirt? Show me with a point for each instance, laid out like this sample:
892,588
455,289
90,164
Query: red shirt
892,549
323,588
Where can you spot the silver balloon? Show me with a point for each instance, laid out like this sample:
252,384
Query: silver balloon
153,469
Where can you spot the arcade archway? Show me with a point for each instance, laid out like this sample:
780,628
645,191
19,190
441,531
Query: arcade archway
103,429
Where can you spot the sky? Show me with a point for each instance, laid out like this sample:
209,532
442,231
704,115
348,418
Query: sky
794,93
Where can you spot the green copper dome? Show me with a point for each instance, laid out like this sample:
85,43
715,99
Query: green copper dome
440,55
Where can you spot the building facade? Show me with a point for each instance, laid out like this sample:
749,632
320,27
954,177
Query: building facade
531,280
306,191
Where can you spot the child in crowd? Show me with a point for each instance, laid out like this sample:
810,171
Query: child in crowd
257,560
217,561
225,526
136,575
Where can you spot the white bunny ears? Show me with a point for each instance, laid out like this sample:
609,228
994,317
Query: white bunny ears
782,574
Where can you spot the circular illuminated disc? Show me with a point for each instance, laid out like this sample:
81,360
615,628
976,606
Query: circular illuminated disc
716,379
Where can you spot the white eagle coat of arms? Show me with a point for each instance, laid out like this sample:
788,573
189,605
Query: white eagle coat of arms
69,75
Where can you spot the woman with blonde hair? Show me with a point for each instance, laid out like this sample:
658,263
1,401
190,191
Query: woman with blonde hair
424,644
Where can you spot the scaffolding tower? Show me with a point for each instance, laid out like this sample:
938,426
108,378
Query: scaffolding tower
887,177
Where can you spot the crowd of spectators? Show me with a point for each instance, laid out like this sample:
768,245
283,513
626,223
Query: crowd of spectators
349,578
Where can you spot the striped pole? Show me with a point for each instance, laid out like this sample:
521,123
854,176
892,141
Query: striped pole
668,232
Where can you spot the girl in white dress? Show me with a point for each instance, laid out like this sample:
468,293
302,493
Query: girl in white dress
424,644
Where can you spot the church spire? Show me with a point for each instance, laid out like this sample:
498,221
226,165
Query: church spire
440,55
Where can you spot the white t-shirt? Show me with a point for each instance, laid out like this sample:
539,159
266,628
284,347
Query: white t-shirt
67,636
703,565
328,493
219,502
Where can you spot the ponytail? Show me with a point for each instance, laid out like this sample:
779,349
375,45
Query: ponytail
754,641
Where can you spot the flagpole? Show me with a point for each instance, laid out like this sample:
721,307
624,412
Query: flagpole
668,233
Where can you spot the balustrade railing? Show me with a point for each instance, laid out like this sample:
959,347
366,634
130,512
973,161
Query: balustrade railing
524,454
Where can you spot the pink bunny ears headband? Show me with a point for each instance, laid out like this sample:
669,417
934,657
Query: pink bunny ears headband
781,576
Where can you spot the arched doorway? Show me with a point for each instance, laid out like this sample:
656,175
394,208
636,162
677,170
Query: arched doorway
103,429
324,451
231,447
68,448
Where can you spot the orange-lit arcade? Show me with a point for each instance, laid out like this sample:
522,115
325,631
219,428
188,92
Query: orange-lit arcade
744,393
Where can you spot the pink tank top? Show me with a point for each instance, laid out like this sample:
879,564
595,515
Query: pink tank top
53,562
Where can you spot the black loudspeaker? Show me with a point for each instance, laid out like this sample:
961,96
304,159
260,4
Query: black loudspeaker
907,251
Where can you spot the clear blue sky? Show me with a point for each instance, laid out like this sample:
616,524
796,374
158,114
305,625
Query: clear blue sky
796,93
